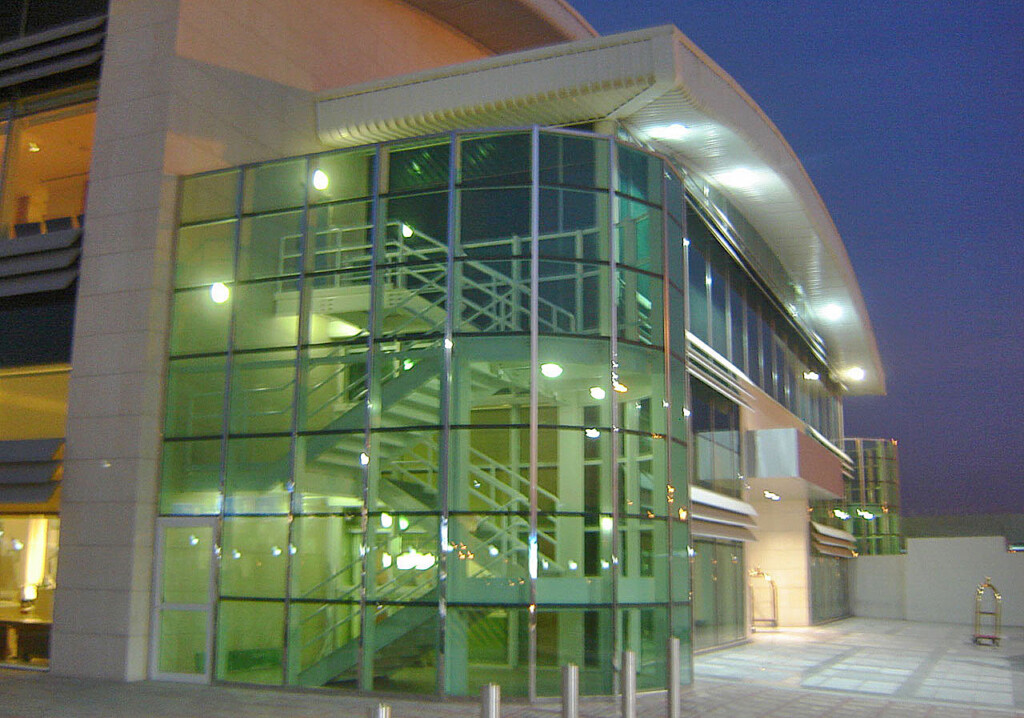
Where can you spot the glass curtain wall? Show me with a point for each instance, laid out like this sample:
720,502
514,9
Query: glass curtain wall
733,317
719,589
433,391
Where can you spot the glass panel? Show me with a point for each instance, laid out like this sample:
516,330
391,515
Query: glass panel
495,160
195,397
326,562
329,472
264,317
583,637
181,645
270,245
699,289
418,167
488,645
254,556
638,236
408,665
490,560
576,161
186,564
405,474
323,643
339,237
261,392
333,388
209,197
250,642
402,567
573,224
256,476
705,618
639,174
347,174
494,296
407,387
200,320
640,308
274,185
205,254
190,478
495,223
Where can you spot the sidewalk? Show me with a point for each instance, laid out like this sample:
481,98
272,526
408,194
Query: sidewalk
849,669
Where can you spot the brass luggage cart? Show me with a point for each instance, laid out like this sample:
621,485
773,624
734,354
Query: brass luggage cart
992,608
764,600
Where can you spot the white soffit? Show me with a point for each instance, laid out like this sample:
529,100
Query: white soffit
646,80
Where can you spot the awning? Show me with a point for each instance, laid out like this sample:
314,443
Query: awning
717,516
830,541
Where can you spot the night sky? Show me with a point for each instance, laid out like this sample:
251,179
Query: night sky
908,118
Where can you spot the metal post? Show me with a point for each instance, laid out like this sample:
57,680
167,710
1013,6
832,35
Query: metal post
382,710
571,691
673,677
628,683
490,701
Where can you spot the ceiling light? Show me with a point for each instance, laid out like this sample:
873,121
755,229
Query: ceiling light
592,433
33,147
551,370
340,329
320,180
740,177
597,392
855,373
364,459
771,495
675,131
831,312
219,292
812,376
620,387
406,230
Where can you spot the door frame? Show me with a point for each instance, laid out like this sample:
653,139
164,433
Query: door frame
156,604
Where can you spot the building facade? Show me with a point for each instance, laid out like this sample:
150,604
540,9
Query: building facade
411,355
872,510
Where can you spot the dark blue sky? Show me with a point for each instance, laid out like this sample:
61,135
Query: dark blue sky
908,118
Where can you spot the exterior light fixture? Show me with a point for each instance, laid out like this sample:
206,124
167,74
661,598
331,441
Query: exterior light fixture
771,495
551,370
406,230
320,180
739,177
812,376
675,131
219,292
831,312
855,373
597,392
840,514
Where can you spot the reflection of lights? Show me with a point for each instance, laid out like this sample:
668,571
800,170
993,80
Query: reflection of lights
605,565
414,559
193,540
386,521
855,373
364,458
33,147
291,549
690,551
235,553
407,364
551,370
620,387
17,544
493,550
275,551
866,515
592,433
682,514
771,495
686,412
572,565
597,392
606,523
840,514
219,292
385,560
340,329
406,231
812,376
403,523
448,343
320,180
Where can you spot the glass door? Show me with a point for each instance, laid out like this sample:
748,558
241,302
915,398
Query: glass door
182,621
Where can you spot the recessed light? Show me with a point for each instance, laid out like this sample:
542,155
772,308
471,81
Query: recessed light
855,373
831,312
597,392
551,370
320,180
675,131
219,292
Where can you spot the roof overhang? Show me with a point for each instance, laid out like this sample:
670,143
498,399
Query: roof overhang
510,25
647,80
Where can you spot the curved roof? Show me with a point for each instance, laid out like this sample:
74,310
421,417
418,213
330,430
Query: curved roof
661,87
510,25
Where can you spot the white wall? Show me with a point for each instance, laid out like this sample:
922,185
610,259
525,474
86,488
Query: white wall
936,580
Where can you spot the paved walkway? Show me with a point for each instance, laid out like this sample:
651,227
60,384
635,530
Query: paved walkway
858,668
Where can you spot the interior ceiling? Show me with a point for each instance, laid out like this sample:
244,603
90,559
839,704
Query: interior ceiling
646,80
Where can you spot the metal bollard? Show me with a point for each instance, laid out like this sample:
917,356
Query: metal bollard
490,701
628,683
673,678
571,691
383,710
